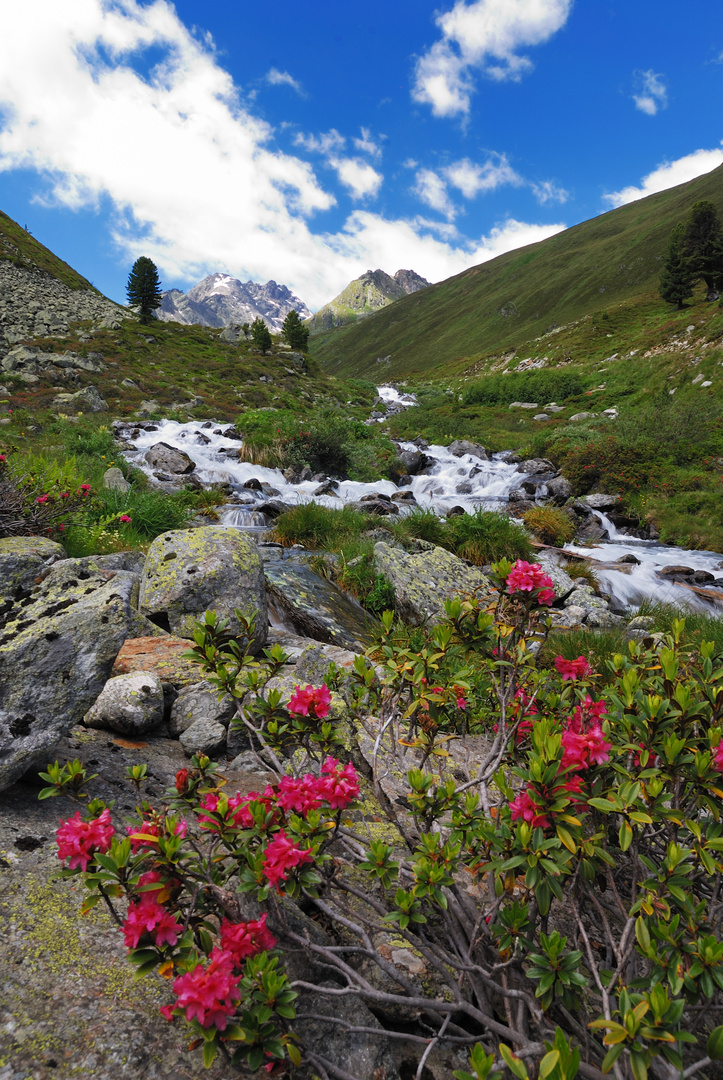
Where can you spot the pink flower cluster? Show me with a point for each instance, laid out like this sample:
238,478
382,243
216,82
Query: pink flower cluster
246,938
282,855
148,916
572,669
314,699
718,759
529,577
79,840
336,787
151,828
208,994
584,744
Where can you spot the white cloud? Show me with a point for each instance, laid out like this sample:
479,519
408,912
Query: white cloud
329,142
431,189
366,144
668,175
194,179
484,35
470,178
358,176
274,77
652,94
545,191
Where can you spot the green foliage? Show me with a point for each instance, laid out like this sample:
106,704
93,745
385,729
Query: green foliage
540,386
294,332
317,526
144,288
485,537
552,526
260,336
422,525
701,244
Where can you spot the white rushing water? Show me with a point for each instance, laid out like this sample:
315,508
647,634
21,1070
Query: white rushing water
448,481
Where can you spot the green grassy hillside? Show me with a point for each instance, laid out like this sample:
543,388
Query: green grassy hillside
24,251
520,296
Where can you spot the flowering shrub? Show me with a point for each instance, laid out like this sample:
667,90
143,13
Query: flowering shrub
561,890
29,508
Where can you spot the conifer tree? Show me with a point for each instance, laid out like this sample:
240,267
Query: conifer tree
144,288
294,332
260,336
677,278
703,245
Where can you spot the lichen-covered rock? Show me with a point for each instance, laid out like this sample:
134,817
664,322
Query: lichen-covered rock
128,704
200,702
536,466
168,459
425,578
203,737
114,480
87,400
192,571
56,654
23,559
316,607
559,489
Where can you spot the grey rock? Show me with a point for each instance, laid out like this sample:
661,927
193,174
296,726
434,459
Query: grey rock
200,702
559,489
192,571
203,737
114,480
524,405
413,461
582,416
87,400
129,704
536,466
425,578
541,416
460,447
316,607
601,501
641,622
23,559
66,639
169,460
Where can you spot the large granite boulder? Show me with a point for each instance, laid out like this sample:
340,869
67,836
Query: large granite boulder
87,400
129,704
200,702
57,648
424,578
316,607
23,559
192,571
460,447
169,460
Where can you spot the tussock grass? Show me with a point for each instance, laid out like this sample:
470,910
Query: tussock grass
551,525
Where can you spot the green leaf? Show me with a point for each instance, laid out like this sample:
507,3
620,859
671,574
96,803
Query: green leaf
625,837
513,1063
210,1050
715,1044
548,1063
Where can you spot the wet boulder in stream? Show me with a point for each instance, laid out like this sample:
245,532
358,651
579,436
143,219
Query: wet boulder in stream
316,607
168,459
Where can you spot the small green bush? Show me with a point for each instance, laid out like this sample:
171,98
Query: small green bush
422,525
540,386
551,525
485,537
317,526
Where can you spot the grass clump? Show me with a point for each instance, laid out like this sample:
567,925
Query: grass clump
582,571
550,525
485,537
317,526
422,525
599,646
699,626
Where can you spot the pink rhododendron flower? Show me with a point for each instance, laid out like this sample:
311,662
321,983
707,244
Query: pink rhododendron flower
282,855
147,916
182,781
315,699
246,938
299,795
339,786
208,994
718,759
124,518
526,808
151,828
572,669
79,840
42,499
529,577
85,488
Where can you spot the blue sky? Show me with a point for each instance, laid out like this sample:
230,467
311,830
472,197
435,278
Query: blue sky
308,143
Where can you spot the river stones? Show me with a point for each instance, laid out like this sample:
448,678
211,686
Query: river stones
316,607
425,578
191,571
57,648
129,704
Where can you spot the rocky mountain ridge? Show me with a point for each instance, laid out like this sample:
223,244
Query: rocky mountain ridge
373,290
222,300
